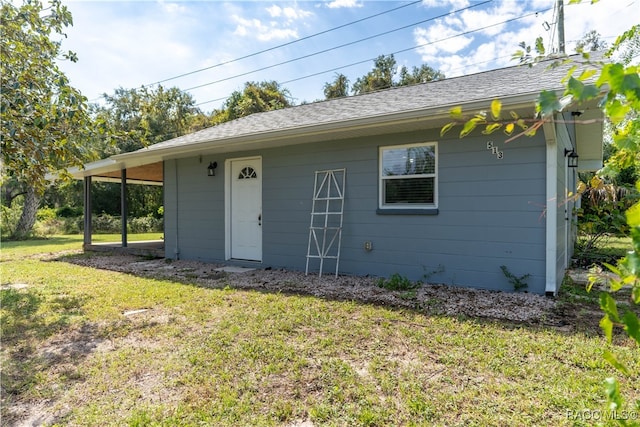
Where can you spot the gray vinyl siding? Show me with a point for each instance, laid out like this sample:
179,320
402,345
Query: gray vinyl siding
195,204
491,212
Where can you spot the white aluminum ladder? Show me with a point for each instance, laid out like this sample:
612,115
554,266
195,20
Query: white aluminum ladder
327,209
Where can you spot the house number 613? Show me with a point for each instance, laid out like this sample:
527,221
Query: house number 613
494,150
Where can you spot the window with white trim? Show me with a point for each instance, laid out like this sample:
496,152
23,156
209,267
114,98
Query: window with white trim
408,176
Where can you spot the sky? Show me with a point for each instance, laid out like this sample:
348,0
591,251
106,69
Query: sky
211,48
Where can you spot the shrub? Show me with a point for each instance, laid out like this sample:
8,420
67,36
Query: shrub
45,214
73,225
69,212
105,223
397,282
9,219
48,227
602,211
145,224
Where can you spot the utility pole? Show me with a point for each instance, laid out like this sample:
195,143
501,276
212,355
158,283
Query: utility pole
561,27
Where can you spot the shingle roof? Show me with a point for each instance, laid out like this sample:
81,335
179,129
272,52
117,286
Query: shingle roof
502,83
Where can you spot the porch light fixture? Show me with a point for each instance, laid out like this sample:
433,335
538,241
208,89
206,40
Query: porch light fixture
211,169
572,158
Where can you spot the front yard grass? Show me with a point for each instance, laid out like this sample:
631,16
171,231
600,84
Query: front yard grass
61,243
74,351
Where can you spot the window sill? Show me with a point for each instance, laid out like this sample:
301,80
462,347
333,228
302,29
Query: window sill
407,211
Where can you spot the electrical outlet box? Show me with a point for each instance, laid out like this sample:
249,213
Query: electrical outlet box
368,246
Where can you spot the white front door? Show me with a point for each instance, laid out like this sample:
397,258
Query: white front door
246,209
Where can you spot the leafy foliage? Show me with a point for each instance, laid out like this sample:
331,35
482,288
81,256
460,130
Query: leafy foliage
256,97
145,116
421,74
44,119
43,116
518,282
136,118
591,42
381,77
398,282
338,89
491,120
601,215
383,73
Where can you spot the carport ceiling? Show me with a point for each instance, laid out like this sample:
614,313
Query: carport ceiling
149,173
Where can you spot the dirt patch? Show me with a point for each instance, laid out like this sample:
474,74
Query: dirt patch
430,298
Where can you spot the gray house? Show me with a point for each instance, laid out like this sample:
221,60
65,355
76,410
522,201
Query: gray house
403,198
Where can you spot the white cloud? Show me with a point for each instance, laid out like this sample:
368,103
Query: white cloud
453,4
474,19
296,13
274,11
291,13
440,38
174,8
262,32
337,4
280,27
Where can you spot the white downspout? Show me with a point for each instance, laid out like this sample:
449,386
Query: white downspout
568,207
551,255
177,247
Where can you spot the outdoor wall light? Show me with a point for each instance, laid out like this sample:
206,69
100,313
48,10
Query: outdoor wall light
211,169
572,158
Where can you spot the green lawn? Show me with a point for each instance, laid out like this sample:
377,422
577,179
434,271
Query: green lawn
60,243
202,356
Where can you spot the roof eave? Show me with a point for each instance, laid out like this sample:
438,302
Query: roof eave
295,134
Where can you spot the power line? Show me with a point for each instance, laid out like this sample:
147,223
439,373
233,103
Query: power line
286,44
300,78
338,47
281,45
392,53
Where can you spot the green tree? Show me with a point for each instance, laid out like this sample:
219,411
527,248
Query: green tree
145,116
421,74
137,118
43,117
591,42
338,89
256,97
381,77
384,71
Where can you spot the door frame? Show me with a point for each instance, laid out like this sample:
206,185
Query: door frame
227,203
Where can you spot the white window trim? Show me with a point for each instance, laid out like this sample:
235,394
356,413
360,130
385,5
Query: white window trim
381,179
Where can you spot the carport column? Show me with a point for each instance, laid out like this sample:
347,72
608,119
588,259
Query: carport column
123,206
87,211
551,256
